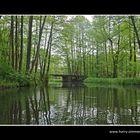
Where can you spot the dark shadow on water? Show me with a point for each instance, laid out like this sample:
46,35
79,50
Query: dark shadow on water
72,84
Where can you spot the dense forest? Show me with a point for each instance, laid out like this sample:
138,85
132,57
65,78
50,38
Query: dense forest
32,47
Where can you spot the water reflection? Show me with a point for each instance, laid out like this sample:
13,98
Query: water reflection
69,104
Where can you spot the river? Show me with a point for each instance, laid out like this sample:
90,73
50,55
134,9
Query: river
60,104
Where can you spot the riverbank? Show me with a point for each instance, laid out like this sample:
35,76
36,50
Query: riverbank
4,84
113,81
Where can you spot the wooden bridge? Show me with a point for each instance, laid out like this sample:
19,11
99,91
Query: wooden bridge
70,77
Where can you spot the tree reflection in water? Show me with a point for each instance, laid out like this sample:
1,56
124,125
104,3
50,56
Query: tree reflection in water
75,105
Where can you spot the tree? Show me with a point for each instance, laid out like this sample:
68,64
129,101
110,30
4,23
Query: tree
29,45
12,39
38,45
135,30
21,45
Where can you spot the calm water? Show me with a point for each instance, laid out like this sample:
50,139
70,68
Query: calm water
70,105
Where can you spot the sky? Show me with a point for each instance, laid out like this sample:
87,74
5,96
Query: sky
89,17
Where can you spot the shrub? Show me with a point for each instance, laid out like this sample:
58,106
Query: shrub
118,81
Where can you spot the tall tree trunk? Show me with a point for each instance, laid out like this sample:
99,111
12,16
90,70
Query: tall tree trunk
29,44
113,58
138,41
97,61
48,51
38,45
92,61
49,58
67,59
72,57
12,39
43,61
130,52
106,60
135,59
21,45
16,44
135,30
85,71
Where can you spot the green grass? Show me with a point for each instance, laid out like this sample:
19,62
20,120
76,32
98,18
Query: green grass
113,81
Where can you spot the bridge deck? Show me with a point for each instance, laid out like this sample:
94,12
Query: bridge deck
65,75
70,77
